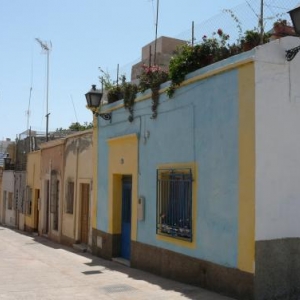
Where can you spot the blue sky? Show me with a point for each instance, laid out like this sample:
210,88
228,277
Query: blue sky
85,35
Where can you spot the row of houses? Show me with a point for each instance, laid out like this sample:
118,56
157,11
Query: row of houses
43,198
206,193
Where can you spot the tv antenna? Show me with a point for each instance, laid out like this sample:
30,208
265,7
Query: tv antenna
156,26
46,48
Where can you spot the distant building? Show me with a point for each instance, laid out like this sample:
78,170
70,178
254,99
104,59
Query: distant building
165,49
6,146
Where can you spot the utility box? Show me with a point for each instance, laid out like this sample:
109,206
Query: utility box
141,209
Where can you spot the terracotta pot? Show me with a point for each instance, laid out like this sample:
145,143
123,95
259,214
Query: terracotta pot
281,30
246,46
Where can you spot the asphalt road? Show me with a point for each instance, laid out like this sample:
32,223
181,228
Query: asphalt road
35,268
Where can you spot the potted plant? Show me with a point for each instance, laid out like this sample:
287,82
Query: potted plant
114,94
152,77
281,28
191,58
129,92
112,88
252,38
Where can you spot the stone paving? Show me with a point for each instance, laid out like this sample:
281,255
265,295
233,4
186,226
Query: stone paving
35,268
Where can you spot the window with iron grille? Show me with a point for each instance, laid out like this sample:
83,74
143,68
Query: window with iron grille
70,197
174,203
28,200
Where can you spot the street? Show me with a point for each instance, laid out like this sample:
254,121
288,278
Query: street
33,267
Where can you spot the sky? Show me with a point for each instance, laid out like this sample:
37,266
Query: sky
84,35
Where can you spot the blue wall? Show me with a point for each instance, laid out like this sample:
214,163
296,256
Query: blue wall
199,124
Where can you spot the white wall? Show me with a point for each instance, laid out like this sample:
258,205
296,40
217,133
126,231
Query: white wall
277,141
8,186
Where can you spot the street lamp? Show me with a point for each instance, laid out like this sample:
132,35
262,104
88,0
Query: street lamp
93,99
295,17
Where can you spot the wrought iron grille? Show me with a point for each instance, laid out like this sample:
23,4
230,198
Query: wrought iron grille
174,203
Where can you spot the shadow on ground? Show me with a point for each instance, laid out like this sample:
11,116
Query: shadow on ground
189,291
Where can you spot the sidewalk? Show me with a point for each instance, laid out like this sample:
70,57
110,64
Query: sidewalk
35,268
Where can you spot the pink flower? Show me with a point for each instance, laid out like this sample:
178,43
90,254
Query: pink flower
220,31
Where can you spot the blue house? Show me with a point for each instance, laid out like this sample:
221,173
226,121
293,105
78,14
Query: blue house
183,195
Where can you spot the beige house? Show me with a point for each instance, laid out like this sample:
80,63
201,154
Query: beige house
77,182
59,204
51,174
8,213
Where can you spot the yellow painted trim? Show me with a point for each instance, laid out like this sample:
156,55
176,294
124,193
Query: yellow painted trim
122,138
123,160
95,173
246,234
178,242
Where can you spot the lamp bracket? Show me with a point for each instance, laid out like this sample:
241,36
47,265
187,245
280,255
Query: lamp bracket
105,116
290,54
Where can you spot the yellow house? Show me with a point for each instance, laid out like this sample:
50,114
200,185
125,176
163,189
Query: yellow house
77,184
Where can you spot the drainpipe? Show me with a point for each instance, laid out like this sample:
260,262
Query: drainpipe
75,195
62,192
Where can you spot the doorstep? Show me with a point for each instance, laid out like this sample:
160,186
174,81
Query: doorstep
80,247
121,261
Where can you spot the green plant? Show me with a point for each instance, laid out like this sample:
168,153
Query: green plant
252,38
152,77
129,92
113,89
191,58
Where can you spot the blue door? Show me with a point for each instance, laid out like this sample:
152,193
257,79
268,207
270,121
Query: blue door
126,217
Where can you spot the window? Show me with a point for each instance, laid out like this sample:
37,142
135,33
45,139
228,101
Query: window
70,197
174,203
10,200
28,205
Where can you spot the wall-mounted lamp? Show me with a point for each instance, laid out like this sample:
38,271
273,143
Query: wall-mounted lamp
93,99
7,161
295,17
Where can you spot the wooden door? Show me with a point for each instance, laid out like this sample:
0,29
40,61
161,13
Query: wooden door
85,196
36,209
47,196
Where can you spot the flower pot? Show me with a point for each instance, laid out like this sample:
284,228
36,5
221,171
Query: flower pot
246,46
281,30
